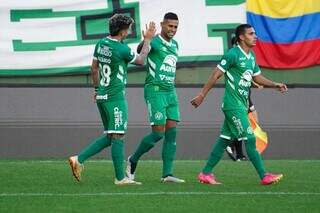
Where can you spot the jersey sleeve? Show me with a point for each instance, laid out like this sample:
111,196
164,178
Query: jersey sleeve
256,70
128,54
226,62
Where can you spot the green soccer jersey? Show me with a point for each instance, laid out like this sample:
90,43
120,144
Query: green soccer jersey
238,68
113,57
161,64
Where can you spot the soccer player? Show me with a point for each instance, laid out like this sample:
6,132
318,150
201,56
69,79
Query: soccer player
109,74
239,67
161,99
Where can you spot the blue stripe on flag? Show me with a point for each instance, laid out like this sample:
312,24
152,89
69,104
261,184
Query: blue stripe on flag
286,30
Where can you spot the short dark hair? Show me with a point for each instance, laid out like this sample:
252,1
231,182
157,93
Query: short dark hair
119,22
240,30
171,16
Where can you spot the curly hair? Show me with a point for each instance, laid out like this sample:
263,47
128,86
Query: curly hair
119,22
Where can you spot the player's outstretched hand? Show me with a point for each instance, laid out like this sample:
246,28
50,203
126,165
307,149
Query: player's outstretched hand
150,31
282,87
196,101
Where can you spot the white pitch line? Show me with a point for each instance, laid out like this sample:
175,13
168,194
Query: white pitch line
144,161
153,194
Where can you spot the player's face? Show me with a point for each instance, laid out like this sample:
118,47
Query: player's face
169,28
250,37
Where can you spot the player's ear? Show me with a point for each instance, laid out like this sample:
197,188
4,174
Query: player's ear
241,37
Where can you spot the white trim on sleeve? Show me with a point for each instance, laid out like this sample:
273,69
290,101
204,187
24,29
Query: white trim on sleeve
220,68
225,137
113,131
257,73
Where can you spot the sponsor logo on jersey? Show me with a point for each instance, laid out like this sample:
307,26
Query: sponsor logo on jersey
249,130
105,50
246,78
104,60
242,64
243,92
102,97
166,78
223,62
169,64
117,117
164,49
242,58
238,124
158,116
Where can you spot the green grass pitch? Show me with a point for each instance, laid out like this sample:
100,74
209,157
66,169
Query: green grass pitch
47,186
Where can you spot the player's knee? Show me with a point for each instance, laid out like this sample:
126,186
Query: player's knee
117,136
157,135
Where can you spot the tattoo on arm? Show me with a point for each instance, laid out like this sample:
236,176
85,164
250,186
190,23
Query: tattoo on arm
144,52
139,48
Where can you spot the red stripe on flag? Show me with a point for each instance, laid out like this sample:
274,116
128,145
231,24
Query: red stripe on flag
284,56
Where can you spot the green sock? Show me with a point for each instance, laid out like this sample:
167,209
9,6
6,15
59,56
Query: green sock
96,146
216,154
146,144
117,154
169,151
255,157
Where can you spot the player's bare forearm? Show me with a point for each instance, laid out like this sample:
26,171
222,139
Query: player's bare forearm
148,34
95,73
143,52
216,74
260,79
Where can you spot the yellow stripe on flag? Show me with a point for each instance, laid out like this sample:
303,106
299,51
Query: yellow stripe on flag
283,8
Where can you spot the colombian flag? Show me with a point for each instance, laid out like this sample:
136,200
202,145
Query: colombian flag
261,136
288,32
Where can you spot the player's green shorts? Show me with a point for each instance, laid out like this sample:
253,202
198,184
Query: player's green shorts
236,125
162,106
114,115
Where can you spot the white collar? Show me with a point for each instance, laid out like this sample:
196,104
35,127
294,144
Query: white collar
112,39
247,55
165,41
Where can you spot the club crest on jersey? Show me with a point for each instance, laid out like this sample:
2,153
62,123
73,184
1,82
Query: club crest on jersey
158,116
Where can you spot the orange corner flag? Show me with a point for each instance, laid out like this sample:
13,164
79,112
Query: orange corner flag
261,136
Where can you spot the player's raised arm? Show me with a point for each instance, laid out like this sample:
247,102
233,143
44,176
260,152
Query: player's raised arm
261,80
216,74
148,34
